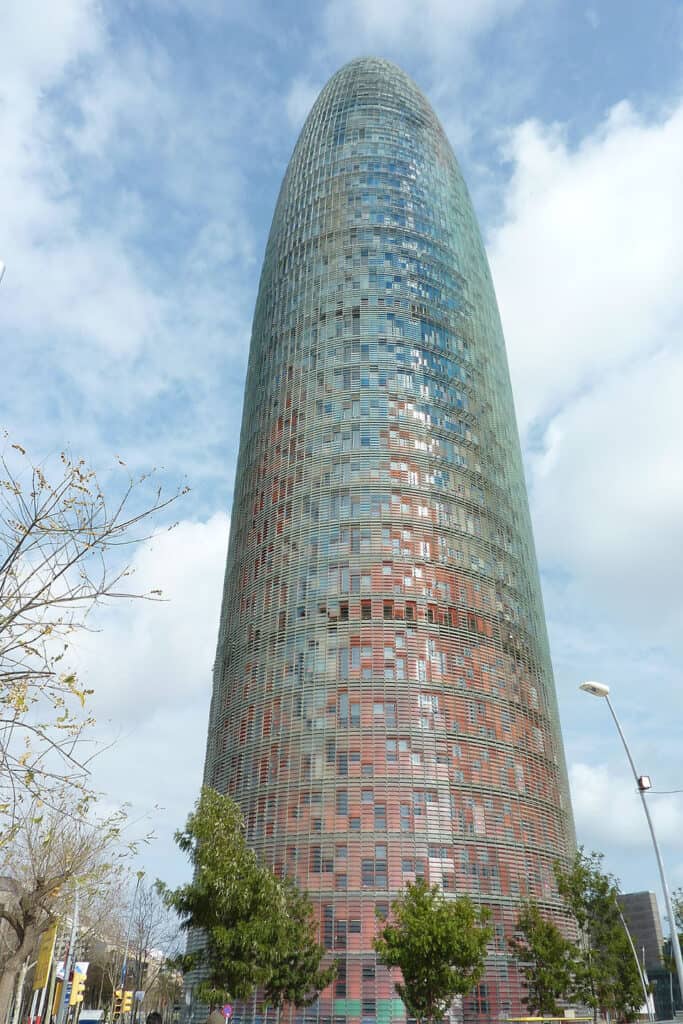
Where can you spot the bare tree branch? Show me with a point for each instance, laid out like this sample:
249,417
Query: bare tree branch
61,548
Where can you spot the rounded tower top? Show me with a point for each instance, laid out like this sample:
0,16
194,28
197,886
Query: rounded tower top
367,83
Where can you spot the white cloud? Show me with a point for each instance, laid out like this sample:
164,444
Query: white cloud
148,654
588,261
587,266
608,811
157,769
608,492
37,43
150,664
300,98
62,275
438,28
126,241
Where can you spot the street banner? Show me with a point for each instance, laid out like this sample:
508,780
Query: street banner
44,961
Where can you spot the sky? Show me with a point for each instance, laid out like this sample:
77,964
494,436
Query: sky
142,146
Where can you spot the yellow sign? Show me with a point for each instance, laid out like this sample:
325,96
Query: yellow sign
44,961
58,998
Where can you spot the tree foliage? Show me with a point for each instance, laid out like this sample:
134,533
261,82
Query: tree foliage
62,548
599,969
606,976
677,904
295,974
548,961
257,931
439,945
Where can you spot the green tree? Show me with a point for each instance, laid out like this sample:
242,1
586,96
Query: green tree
677,903
606,975
258,931
295,972
439,945
548,961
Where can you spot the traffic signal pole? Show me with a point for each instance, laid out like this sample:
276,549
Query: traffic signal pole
124,966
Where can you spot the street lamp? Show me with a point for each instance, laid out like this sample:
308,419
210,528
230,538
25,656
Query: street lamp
644,783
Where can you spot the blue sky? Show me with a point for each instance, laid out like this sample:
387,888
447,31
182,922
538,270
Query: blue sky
142,146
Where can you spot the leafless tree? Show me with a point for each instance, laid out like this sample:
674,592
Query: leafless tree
155,938
52,852
102,943
134,919
64,548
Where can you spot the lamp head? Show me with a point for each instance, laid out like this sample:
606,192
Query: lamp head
596,689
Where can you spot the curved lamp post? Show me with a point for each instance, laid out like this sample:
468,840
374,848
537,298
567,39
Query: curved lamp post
643,783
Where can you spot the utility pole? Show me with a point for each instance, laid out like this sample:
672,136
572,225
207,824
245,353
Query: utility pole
69,961
124,966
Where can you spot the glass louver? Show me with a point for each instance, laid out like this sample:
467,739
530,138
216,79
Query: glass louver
383,704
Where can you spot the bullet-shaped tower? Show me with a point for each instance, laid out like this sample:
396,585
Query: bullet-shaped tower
383,705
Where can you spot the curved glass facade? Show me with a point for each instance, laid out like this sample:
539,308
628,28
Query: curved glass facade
383,704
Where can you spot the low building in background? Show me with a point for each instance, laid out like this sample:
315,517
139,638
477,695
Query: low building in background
644,923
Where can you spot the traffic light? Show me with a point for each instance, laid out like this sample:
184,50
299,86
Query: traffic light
127,1004
77,987
118,999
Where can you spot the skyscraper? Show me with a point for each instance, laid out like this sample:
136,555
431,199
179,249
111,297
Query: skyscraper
383,705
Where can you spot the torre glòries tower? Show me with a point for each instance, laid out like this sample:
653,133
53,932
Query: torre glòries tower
383,706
